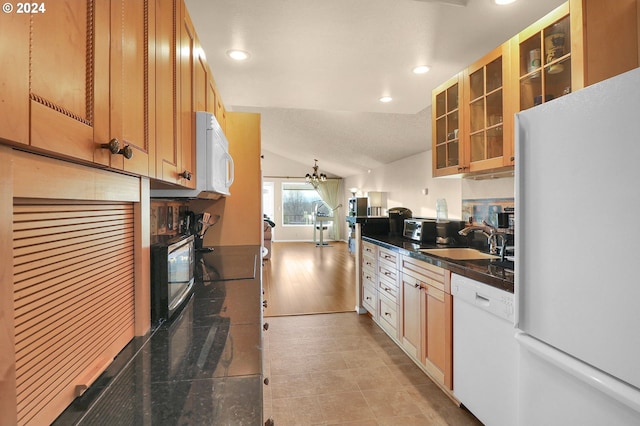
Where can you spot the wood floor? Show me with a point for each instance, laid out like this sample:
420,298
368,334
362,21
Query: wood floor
301,278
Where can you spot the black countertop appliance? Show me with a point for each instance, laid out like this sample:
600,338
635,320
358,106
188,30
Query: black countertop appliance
397,215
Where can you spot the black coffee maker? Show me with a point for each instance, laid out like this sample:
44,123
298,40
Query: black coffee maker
397,215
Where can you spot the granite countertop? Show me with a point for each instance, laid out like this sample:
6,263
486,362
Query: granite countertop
204,366
483,270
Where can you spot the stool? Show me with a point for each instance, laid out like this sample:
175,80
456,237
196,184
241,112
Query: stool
321,228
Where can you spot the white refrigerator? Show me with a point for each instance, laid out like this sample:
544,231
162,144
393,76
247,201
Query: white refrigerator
577,279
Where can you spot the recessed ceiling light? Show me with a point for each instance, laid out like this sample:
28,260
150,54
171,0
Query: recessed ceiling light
386,99
238,55
421,69
503,2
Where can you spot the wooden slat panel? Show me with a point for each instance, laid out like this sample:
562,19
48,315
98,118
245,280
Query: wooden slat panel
73,275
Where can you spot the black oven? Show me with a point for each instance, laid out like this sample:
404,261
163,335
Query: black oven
172,279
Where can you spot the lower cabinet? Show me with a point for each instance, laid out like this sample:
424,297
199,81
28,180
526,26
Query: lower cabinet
411,301
427,318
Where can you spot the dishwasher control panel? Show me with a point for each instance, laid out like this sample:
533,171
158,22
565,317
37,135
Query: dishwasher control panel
491,299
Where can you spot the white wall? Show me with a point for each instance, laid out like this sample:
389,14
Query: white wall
403,183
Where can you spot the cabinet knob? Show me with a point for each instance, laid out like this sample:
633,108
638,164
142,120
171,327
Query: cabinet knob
269,422
387,313
265,326
264,303
113,146
126,152
186,175
368,298
417,285
266,381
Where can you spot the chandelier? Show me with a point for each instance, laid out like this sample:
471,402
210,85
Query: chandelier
316,178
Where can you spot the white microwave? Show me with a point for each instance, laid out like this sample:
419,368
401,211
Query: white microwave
214,165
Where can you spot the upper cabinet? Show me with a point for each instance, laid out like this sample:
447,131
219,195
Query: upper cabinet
67,90
113,83
447,152
132,56
488,113
76,102
578,44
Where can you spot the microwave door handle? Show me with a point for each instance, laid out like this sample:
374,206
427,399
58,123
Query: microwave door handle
231,170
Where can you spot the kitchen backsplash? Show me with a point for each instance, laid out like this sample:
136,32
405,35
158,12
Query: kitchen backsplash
485,209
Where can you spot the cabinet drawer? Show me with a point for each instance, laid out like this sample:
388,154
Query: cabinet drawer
388,256
427,273
387,272
369,298
368,261
388,288
369,275
388,314
369,249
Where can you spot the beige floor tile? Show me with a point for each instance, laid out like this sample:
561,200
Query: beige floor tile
362,358
375,378
297,411
411,374
388,403
337,381
297,364
411,420
290,386
344,407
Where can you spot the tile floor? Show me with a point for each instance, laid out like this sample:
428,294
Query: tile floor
342,369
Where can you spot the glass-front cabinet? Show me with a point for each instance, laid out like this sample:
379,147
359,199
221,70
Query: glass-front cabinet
544,61
446,132
579,43
488,117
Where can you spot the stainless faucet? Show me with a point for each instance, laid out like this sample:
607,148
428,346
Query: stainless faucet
489,231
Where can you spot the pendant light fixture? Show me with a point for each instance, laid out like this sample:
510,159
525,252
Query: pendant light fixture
315,178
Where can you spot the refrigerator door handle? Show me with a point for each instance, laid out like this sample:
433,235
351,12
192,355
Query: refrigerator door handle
614,388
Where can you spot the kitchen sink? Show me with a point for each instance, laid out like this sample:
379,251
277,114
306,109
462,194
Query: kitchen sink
459,253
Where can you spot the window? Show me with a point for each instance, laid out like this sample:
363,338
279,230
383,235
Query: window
299,202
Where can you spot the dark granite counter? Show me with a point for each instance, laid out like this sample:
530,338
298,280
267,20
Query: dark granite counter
203,367
484,270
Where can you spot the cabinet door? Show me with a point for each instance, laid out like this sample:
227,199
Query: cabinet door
544,61
186,112
488,112
438,335
211,97
69,85
14,79
201,83
131,60
410,327
447,154
166,161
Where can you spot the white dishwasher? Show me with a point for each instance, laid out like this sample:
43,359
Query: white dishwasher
484,351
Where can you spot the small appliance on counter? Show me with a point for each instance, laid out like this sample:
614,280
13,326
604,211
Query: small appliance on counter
397,215
423,230
172,278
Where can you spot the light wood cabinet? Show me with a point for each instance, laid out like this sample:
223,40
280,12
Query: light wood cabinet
578,44
131,84
70,102
487,112
427,318
68,88
370,279
175,118
448,157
